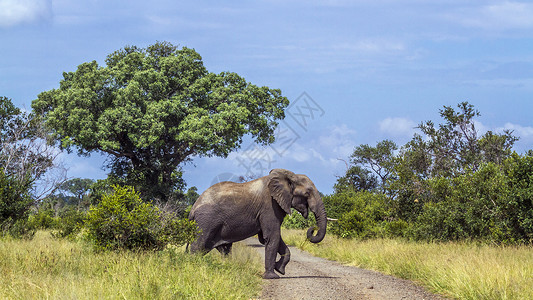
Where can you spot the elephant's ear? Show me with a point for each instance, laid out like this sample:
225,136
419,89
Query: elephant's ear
281,188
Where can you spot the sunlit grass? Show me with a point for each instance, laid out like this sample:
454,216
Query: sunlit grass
59,269
456,270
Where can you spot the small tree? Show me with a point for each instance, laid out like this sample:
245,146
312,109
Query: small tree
77,187
356,178
371,167
191,196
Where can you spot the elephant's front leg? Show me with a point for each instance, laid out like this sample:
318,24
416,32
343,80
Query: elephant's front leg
285,253
271,250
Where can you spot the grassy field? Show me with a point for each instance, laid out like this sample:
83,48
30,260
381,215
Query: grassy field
59,269
456,270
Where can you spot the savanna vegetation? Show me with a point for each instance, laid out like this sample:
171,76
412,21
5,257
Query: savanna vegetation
452,208
459,269
51,268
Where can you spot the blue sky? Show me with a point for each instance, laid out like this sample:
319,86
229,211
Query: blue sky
357,72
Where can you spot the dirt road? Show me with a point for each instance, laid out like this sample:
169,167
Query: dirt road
309,277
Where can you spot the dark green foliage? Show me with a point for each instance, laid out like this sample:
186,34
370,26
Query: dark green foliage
379,159
123,221
42,219
69,223
15,203
356,178
100,188
360,214
191,196
517,210
296,221
339,203
493,203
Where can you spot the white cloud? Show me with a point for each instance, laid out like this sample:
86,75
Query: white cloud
335,143
480,128
339,141
372,46
14,12
398,127
523,132
505,15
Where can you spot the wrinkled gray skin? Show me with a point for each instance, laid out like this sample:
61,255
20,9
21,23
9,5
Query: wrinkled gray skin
228,212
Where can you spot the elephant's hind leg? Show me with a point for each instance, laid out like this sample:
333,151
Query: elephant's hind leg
225,249
206,240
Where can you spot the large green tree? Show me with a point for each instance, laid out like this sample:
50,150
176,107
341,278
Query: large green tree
152,109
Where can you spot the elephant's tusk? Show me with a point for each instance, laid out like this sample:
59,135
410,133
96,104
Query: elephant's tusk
333,220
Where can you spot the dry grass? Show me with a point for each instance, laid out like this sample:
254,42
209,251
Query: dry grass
59,269
457,270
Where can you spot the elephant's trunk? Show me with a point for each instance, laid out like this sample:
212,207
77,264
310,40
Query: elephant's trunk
317,207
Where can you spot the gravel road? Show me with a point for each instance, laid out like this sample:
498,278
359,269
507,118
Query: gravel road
309,277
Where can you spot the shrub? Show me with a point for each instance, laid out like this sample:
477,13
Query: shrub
296,221
42,219
123,221
69,223
15,203
517,210
468,206
339,203
442,221
368,216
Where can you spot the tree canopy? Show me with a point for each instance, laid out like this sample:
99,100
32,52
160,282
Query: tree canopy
152,109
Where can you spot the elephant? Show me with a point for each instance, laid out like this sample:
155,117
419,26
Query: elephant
229,212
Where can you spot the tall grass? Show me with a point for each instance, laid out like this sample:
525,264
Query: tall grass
59,269
457,270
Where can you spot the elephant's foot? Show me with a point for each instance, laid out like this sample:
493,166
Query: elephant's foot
280,267
270,275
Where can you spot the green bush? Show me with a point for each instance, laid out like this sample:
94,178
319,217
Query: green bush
42,219
296,221
468,207
340,203
123,221
368,216
15,203
517,211
69,223
443,221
